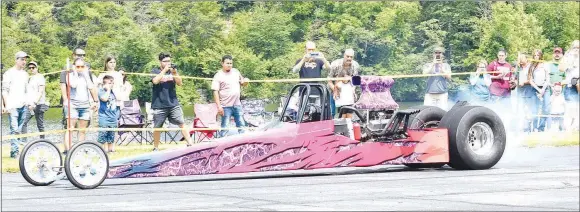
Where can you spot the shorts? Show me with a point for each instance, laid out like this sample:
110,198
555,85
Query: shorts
77,113
174,114
106,136
340,107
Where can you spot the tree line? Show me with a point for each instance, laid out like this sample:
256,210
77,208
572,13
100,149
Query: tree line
266,38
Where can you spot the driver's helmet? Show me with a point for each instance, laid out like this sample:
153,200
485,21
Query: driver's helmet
312,112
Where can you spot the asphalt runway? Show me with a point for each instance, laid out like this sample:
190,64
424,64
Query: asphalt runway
545,178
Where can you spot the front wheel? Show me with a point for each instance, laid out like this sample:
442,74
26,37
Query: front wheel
87,165
477,137
40,162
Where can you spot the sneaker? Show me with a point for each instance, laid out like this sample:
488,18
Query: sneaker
155,149
65,152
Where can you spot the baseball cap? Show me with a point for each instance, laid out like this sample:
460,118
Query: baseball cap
558,49
21,54
438,49
33,63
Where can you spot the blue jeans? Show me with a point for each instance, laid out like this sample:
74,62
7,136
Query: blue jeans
16,120
237,113
332,106
541,107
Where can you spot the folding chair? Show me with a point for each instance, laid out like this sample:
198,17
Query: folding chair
131,117
205,117
172,136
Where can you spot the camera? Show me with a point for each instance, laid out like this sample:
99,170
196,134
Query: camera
314,54
173,66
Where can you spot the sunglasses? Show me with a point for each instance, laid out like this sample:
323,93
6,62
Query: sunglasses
437,52
80,66
80,55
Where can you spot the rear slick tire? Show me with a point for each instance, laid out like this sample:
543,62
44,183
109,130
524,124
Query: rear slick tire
477,137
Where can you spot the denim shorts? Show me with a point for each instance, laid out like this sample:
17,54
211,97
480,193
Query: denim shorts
106,136
78,113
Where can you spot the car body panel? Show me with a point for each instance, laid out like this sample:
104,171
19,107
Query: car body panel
285,146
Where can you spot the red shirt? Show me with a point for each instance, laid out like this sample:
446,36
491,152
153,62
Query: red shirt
500,87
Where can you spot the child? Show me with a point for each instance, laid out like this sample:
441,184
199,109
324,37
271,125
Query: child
109,113
346,95
558,106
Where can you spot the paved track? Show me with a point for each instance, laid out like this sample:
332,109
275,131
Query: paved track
526,179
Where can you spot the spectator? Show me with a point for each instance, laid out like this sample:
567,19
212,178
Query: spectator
311,66
557,108
79,99
14,83
480,81
556,76
110,65
501,85
126,88
109,70
437,86
570,65
346,95
77,54
312,63
37,104
164,103
345,66
109,112
226,90
500,88
525,91
539,78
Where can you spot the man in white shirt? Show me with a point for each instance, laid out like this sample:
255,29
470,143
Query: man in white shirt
36,98
14,83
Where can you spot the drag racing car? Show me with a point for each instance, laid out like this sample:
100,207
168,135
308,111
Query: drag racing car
307,137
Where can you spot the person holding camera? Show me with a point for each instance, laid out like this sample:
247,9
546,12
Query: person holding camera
480,81
312,63
164,103
311,66
437,86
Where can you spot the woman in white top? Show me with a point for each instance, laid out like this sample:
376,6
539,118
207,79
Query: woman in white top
539,78
110,65
126,88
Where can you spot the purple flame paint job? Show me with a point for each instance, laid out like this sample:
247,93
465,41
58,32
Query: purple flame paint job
288,146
